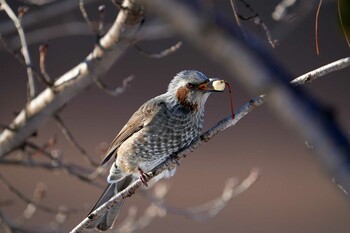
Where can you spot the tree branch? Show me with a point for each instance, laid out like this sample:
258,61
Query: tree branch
47,103
331,67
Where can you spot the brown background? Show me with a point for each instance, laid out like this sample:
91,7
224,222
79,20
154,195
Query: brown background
294,193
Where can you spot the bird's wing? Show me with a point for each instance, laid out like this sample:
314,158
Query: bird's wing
137,121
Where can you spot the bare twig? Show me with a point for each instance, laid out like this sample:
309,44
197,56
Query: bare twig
22,62
25,52
119,90
162,54
87,17
237,18
70,138
101,10
331,67
258,21
42,58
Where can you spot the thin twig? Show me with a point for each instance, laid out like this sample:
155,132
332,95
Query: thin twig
87,17
70,138
21,61
25,52
161,54
101,10
316,27
258,21
114,92
331,67
42,58
42,150
236,15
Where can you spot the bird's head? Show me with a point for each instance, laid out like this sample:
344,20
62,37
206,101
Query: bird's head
190,89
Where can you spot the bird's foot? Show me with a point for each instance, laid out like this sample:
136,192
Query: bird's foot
174,159
144,177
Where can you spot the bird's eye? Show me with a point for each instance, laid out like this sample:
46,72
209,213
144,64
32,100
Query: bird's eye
190,85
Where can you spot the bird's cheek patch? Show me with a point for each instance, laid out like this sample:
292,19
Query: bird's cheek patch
181,94
219,85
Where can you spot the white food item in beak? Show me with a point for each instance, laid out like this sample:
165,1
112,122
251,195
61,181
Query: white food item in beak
219,85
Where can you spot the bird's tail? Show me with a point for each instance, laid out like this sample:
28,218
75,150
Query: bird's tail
107,219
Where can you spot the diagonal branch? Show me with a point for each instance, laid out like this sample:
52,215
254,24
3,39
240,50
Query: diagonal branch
331,67
175,158
47,103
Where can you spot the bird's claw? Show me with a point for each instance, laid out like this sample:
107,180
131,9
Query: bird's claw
144,177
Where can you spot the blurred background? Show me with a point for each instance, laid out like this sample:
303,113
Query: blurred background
294,193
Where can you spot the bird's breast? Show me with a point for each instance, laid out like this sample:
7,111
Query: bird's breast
166,134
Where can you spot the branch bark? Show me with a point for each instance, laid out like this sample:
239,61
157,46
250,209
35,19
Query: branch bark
47,103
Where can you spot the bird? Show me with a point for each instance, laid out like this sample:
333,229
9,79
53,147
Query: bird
161,127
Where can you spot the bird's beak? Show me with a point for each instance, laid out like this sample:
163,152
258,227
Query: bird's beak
214,85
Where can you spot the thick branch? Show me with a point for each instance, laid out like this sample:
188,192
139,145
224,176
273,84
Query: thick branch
110,48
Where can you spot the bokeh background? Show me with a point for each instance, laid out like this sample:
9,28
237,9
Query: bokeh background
294,193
